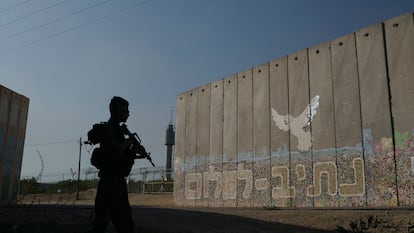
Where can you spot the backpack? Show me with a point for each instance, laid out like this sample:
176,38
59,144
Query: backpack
99,158
95,136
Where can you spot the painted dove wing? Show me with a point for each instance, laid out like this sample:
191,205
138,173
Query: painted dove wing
282,121
310,111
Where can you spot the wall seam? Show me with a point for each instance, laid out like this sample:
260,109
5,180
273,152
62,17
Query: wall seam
289,141
361,118
253,127
196,144
237,135
310,125
270,134
334,121
391,111
222,141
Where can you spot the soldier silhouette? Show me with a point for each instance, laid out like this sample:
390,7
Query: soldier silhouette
111,202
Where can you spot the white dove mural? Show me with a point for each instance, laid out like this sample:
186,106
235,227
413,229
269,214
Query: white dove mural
298,125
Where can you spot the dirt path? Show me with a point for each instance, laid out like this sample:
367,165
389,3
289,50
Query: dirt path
157,214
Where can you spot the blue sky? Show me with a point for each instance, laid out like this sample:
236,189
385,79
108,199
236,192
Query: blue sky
72,56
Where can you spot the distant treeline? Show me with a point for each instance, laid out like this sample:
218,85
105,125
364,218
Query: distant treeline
32,186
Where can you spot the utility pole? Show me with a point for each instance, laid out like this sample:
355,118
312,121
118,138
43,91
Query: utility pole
79,165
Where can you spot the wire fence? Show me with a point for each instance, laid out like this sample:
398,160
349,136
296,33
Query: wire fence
68,190
66,204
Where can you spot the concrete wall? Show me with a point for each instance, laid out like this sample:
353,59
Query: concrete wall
327,126
13,118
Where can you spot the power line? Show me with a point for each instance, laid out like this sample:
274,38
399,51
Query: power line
53,143
31,14
53,21
13,6
74,27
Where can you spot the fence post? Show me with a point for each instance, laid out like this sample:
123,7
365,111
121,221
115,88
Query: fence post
79,165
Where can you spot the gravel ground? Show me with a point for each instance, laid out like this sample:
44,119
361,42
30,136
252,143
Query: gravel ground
157,214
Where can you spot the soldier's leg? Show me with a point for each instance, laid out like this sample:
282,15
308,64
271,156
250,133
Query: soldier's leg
121,213
102,207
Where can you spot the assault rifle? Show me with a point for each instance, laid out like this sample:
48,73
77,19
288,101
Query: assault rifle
136,147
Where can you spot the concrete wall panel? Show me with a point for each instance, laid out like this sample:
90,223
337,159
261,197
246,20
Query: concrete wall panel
12,129
216,122
180,150
203,123
282,190
193,187
215,174
14,156
320,79
230,177
261,136
399,34
245,116
5,99
351,174
376,118
203,137
13,118
245,152
21,135
324,186
300,137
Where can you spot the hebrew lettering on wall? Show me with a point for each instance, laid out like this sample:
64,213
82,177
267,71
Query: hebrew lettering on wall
197,184
320,168
229,185
246,175
358,186
284,190
212,176
193,186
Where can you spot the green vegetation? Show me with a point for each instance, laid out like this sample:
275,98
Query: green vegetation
271,207
31,186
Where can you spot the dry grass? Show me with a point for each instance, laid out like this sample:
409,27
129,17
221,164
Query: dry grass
87,198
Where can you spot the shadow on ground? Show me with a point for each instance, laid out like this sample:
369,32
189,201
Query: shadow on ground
191,221
50,218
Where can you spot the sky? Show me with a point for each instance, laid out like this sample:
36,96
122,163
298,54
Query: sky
70,57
